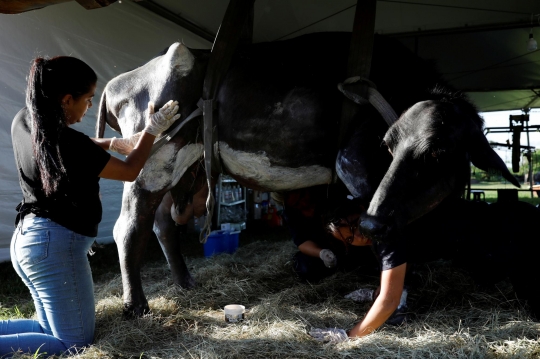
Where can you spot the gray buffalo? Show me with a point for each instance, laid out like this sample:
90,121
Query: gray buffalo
278,123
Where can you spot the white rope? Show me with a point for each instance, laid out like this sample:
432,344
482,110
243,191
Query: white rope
207,228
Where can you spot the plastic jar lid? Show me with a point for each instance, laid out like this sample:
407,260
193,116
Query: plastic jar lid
234,309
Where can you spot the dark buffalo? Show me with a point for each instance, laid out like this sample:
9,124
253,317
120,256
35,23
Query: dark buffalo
432,144
279,111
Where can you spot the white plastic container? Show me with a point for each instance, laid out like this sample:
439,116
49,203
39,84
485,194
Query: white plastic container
234,313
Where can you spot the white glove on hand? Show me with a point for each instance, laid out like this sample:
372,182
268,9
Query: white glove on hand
361,295
124,146
163,119
332,335
328,257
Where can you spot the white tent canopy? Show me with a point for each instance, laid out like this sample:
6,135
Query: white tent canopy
479,46
111,40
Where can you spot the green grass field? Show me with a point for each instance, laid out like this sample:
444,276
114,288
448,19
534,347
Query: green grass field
490,191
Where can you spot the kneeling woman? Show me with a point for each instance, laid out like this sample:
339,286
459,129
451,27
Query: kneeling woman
59,170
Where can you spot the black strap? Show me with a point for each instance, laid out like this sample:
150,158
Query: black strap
25,210
227,39
359,61
170,135
19,214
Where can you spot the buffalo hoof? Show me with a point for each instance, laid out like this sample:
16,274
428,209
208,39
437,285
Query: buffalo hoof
186,282
132,311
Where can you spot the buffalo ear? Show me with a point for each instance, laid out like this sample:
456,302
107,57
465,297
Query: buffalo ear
485,158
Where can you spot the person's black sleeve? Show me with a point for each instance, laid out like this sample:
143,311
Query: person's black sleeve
390,255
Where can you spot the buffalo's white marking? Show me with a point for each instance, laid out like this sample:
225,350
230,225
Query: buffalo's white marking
155,176
256,168
185,158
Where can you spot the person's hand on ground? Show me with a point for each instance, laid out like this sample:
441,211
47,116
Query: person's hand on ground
332,335
361,295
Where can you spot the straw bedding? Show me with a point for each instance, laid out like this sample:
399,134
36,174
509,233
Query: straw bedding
451,318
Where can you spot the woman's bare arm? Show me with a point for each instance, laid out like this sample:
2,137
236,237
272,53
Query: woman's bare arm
392,281
128,169
102,142
310,248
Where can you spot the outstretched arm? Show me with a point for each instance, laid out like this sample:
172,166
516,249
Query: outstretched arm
104,143
310,248
392,281
128,169
124,146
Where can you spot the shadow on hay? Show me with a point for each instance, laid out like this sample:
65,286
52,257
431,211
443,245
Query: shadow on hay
453,318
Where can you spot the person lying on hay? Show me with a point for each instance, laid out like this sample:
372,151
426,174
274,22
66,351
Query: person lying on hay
489,241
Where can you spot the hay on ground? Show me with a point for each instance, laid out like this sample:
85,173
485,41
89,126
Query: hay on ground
452,318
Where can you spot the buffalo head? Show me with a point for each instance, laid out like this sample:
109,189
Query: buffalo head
431,144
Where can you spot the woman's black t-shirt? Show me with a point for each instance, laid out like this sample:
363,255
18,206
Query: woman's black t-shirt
390,255
76,204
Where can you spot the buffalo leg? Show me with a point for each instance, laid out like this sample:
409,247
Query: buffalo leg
169,235
132,231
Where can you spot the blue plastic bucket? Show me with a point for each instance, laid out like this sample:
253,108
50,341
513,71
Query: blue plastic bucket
216,243
221,241
233,242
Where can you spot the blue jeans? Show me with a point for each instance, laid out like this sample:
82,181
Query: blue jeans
51,260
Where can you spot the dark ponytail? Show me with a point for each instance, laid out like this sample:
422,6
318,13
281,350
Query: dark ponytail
48,82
